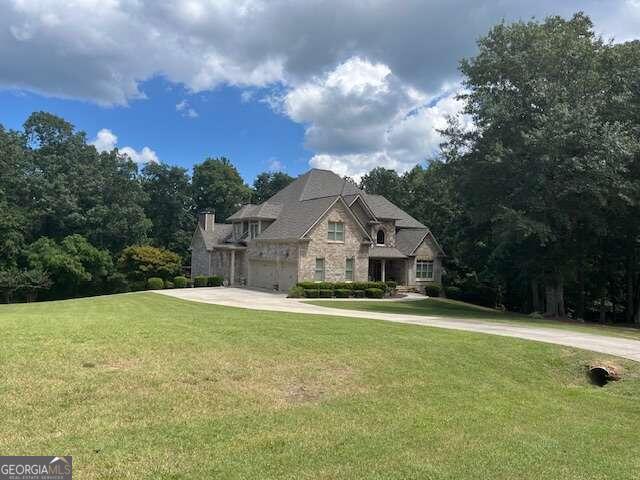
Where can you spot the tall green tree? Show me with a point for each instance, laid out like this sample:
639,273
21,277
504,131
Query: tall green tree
538,173
74,265
267,184
169,206
385,182
217,185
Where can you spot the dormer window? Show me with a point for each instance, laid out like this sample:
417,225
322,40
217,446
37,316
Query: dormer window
254,230
380,237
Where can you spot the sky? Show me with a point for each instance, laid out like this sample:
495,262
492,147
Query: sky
272,85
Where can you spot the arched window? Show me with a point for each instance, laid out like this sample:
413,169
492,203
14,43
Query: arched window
380,237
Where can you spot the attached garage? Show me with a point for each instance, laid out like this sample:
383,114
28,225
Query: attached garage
272,274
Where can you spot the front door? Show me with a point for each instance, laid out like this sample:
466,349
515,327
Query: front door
375,270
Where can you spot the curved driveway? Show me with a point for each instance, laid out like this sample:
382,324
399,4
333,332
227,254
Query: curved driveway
261,300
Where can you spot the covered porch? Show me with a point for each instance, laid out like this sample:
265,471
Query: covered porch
386,264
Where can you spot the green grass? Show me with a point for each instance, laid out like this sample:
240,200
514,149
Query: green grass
440,307
145,386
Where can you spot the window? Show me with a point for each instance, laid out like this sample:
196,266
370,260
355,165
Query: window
319,273
237,230
348,269
424,270
380,237
254,230
336,232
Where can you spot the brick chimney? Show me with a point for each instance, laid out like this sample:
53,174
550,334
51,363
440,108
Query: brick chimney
206,220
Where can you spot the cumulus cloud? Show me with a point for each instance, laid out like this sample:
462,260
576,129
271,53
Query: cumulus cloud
106,141
367,83
251,43
186,110
360,115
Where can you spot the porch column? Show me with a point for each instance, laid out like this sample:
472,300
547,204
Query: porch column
232,273
383,264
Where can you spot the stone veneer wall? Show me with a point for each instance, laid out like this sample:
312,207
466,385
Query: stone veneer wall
389,227
426,251
199,256
334,253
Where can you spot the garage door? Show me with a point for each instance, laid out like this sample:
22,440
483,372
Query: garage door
269,274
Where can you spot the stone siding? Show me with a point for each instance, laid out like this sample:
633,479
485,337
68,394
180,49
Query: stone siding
426,251
199,256
334,253
389,228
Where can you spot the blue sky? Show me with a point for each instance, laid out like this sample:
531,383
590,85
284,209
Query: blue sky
280,84
251,134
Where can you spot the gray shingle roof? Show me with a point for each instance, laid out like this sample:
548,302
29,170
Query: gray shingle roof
383,208
296,218
266,210
407,239
385,252
298,206
221,231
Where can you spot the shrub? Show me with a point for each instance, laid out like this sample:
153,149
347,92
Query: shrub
325,293
374,292
432,290
358,293
342,293
343,286
296,292
308,285
144,261
155,283
117,283
200,281
311,293
169,284
189,282
180,281
215,281
452,293
138,285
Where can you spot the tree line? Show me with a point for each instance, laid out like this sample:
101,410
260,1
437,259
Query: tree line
536,205
68,212
539,201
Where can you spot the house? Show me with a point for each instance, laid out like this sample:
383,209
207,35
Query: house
320,227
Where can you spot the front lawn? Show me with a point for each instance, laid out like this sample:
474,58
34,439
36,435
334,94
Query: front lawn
442,307
146,386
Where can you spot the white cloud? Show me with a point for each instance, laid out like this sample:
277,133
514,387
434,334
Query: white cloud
275,165
186,110
106,141
360,115
367,83
117,44
146,155
246,96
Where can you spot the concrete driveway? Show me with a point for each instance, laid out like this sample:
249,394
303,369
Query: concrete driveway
261,300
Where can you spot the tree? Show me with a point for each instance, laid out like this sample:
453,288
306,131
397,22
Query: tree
267,184
169,206
74,265
385,182
540,170
25,283
139,263
217,185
